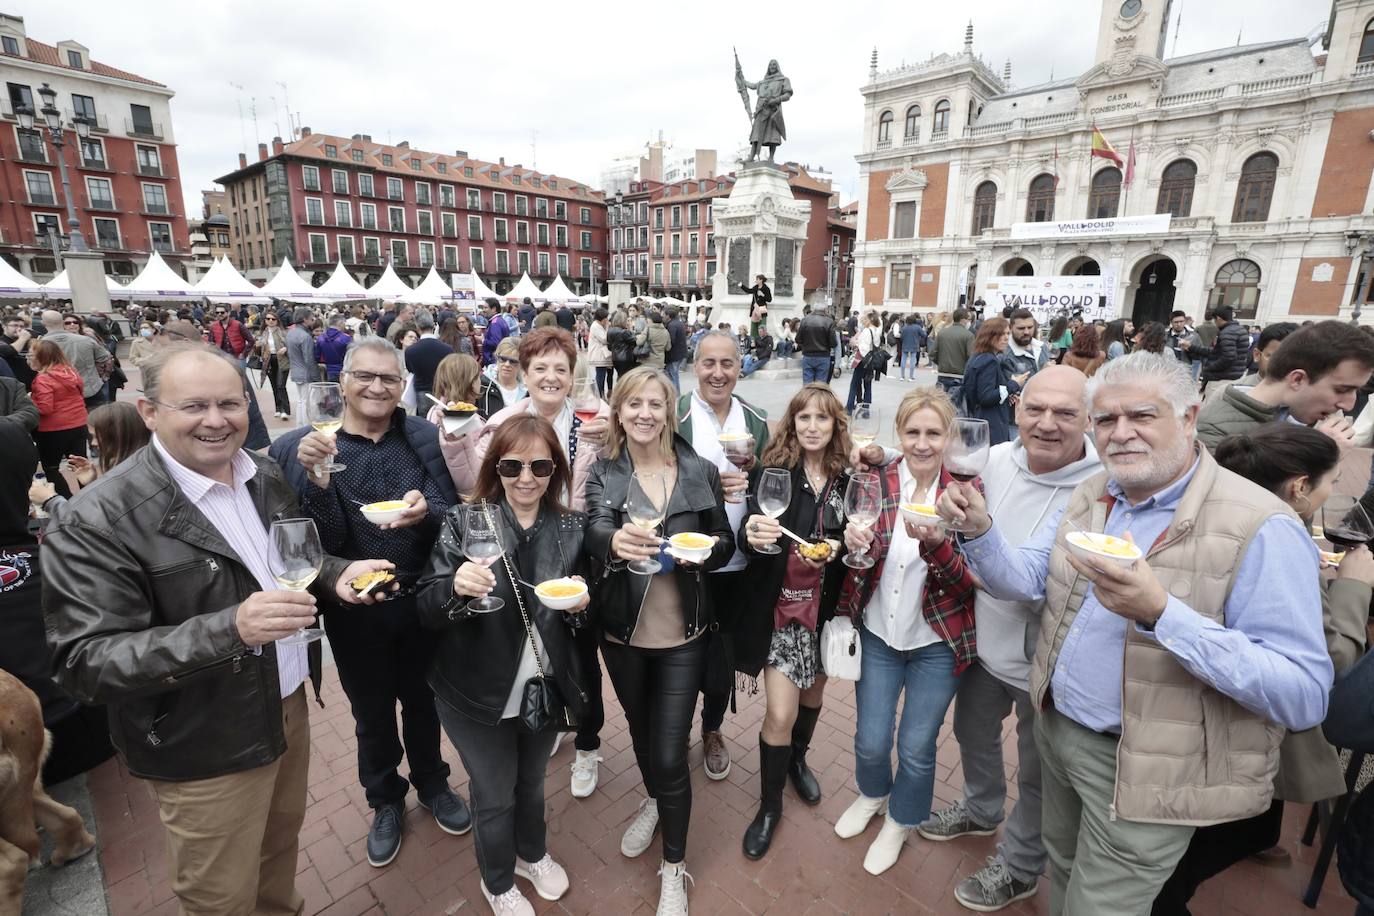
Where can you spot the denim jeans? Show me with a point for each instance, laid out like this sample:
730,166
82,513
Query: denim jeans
815,369
673,368
910,360
605,376
752,365
860,389
928,676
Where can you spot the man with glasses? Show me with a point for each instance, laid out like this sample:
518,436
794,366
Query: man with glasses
165,609
382,653
91,361
230,335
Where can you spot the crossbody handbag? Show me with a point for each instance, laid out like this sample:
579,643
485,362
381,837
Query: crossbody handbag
541,705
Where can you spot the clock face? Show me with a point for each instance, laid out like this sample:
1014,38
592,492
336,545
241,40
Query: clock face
1130,8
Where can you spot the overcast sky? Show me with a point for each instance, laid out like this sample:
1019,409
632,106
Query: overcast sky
542,87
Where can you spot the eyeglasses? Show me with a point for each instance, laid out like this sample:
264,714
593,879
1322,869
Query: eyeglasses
367,378
70,321
270,319
539,467
509,361
229,406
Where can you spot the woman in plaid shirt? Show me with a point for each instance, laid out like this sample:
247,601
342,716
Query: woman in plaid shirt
920,647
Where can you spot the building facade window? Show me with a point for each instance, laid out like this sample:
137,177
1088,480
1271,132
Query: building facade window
1176,188
399,252
365,187
904,219
899,282
422,193
501,233
941,122
314,211
160,235
83,106
11,44
331,151
449,223
31,147
1255,191
502,261
1104,194
522,261
394,189
347,254
356,155
396,219
912,129
1040,199
340,179
149,163
424,222
1366,44
543,263
541,208
584,241
522,233
343,213
984,206
560,236
542,234
522,205
560,210
107,233
561,263
155,199
40,188
884,128
369,215
1237,285
475,229
426,254
319,247
101,193
446,196
474,197
584,216
372,250
450,257
310,176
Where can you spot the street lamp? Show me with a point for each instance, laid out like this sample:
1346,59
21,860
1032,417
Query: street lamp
52,119
619,235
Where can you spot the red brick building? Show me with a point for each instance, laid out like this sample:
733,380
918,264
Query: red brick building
125,182
323,199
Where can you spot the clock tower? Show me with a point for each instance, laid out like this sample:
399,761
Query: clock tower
1131,28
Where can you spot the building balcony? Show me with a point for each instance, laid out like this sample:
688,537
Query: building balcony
95,165
165,247
475,236
881,144
940,134
396,195
562,243
143,129
42,200
368,227
104,204
31,154
151,170
427,202
449,264
372,260
99,123
156,209
911,139
449,233
312,187
107,244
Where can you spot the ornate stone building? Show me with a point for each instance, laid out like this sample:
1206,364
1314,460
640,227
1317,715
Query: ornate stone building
1245,175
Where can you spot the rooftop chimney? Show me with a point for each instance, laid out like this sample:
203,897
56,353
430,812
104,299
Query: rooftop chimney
305,131
461,154
404,144
243,160
357,136
502,161
277,146
262,152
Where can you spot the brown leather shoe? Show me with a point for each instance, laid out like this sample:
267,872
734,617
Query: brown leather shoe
717,755
1274,857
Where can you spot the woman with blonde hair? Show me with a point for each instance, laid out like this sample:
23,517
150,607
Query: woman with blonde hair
793,596
652,625
920,647
458,377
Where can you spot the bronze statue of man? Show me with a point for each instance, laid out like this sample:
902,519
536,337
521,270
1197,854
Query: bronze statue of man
768,129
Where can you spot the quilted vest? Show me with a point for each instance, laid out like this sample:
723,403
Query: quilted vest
1188,754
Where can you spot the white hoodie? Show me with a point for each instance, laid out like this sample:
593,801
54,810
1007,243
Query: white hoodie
1019,502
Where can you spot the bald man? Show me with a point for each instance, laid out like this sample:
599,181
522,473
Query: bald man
89,358
1026,481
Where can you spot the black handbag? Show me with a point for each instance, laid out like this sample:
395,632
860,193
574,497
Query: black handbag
541,705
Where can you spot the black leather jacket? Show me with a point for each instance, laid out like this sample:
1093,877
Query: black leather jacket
140,593
696,505
478,655
1230,354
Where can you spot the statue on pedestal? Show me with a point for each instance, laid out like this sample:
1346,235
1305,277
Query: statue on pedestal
768,127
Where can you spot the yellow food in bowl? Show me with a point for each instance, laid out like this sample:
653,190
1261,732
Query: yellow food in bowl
1106,544
921,509
390,505
690,541
462,406
560,589
358,583
817,551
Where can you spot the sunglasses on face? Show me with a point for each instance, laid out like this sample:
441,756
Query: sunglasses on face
509,361
539,467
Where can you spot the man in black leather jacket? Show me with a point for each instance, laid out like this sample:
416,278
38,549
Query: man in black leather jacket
160,603
1231,350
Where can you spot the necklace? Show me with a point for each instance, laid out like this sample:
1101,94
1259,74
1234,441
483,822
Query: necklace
817,481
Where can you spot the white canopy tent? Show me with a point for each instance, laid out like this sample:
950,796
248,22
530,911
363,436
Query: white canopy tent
223,283
591,299
14,285
526,289
483,291
389,286
558,291
289,285
157,281
431,291
59,287
341,285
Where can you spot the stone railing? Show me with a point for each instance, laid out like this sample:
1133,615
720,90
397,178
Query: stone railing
1363,70
911,139
941,134
884,144
985,130
1050,120
1190,98
1278,84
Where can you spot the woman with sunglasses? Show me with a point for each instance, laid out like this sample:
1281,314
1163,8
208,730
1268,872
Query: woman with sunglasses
504,371
652,624
483,661
793,596
271,347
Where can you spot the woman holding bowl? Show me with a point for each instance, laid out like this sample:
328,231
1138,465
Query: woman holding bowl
920,647
793,594
483,661
652,625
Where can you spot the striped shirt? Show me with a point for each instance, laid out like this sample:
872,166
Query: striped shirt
232,513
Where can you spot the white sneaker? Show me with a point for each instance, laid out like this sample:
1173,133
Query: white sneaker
548,877
585,773
856,817
641,831
672,890
557,743
511,903
882,855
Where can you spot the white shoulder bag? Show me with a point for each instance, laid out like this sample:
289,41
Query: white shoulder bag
841,652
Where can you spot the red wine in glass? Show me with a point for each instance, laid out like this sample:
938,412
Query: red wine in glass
960,474
738,459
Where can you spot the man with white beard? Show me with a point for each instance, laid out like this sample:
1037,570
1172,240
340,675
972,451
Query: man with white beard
1163,684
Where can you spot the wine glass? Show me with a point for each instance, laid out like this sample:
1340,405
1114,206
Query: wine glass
966,454
739,451
862,502
774,494
586,403
864,425
294,555
647,504
324,410
483,543
1345,523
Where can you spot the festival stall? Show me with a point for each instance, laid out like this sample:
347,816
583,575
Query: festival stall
223,283
290,286
157,282
558,291
525,289
341,286
389,287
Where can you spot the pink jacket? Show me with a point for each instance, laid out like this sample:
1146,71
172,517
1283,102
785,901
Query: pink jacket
464,454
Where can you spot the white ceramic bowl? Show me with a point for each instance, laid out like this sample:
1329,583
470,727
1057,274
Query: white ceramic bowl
454,424
560,602
689,554
383,512
1090,545
910,514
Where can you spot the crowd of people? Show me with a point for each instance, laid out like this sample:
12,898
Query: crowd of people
1166,707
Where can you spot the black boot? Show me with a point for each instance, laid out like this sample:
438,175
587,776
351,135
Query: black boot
803,780
772,777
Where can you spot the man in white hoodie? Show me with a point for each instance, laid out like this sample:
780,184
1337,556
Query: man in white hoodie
1026,481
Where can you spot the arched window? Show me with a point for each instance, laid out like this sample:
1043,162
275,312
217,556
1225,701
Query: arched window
885,127
1040,200
1104,194
1367,44
1176,188
913,123
1256,188
984,206
941,116
1237,285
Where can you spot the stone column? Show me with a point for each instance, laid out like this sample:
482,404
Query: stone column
86,277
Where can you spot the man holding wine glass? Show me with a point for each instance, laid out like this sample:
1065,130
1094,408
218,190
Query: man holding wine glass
1165,672
381,653
164,606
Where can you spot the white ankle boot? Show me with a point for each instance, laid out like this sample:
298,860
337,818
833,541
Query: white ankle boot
856,817
882,855
672,892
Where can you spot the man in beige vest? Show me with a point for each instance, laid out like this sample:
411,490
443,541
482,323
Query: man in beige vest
1163,686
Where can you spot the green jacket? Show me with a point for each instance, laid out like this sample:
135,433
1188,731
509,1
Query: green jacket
755,420
1232,414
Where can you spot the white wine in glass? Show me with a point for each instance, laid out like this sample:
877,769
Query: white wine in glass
864,425
862,502
774,495
647,505
294,555
483,544
324,409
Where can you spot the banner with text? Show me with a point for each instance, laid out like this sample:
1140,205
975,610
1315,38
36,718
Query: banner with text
464,287
1048,297
1152,224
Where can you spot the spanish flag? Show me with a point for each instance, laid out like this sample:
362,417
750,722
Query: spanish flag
1103,149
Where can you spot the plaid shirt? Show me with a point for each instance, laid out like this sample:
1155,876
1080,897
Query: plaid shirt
947,600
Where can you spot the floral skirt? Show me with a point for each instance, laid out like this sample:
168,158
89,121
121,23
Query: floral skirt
796,653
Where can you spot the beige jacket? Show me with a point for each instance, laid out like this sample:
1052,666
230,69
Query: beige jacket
1188,754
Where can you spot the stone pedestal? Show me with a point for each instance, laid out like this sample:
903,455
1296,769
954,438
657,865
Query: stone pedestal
618,292
86,277
759,229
